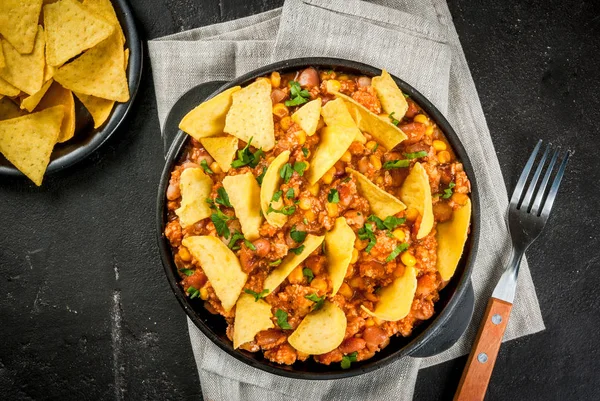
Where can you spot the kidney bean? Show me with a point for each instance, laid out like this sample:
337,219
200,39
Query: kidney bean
309,77
374,336
352,344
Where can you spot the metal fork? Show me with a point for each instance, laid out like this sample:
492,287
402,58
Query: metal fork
527,216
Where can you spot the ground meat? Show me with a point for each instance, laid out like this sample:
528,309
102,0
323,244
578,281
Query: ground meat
284,354
367,97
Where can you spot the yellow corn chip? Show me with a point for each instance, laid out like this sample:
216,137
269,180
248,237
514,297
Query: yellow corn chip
126,56
416,193
32,101
99,108
391,97
335,113
451,238
58,95
222,149
7,89
396,299
291,261
320,331
339,245
307,117
383,204
104,9
334,143
250,115
71,29
195,188
48,72
27,141
208,118
382,130
8,109
2,62
220,265
25,71
244,195
19,23
251,316
98,72
270,185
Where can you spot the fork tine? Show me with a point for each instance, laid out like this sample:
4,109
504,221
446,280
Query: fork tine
523,178
542,190
555,184
526,204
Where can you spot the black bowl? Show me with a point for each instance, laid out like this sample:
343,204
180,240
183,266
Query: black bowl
87,138
453,310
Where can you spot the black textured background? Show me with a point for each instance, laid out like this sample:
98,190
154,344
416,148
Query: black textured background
86,312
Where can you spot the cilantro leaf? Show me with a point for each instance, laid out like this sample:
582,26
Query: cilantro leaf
219,219
250,245
261,176
257,295
375,147
306,272
366,233
415,155
286,210
347,179
319,301
235,238
305,152
275,262
285,172
193,292
378,222
406,95
448,191
187,272
282,319
397,251
298,95
204,165
245,157
223,197
396,164
298,250
299,167
392,119
277,196
298,236
290,193
348,359
333,196
392,222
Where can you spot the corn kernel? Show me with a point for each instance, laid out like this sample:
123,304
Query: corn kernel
319,284
304,203
421,118
296,276
280,110
370,322
214,166
439,145
443,156
203,293
459,198
346,291
275,79
184,254
408,259
399,234
357,282
360,244
314,189
429,130
286,123
343,77
379,181
328,176
346,157
375,162
333,86
412,214
354,256
301,135
332,209
371,145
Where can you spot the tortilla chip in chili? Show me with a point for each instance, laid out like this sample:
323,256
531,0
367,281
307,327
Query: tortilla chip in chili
391,97
339,245
307,116
396,299
416,193
383,204
222,149
244,195
251,316
451,237
270,184
320,331
195,187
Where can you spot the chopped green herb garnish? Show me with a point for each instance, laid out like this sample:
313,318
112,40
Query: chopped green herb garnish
222,197
333,196
396,164
392,222
286,210
393,120
204,165
448,191
245,157
415,155
366,233
257,295
319,301
187,272
220,221
193,292
347,179
298,250
290,193
277,196
250,245
275,262
259,178
298,236
375,147
234,239
348,359
282,319
305,220
306,272
299,168
305,152
286,172
406,95
397,250
298,95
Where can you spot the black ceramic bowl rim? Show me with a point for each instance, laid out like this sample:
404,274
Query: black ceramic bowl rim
427,328
120,110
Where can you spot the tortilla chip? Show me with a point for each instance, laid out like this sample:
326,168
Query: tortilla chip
222,149
244,195
220,265
104,9
291,261
321,331
7,89
71,29
270,185
383,131
251,316
8,109
391,97
48,72
339,245
126,56
383,204
19,23
250,115
27,141
2,61
307,116
32,101
99,108
335,113
195,188
25,71
58,95
416,193
451,237
395,300
208,119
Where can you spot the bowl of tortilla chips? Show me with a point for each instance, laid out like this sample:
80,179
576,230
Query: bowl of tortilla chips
318,218
68,73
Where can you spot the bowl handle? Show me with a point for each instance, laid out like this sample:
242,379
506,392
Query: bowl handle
451,330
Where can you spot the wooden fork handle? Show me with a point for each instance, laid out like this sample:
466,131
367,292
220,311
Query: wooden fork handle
476,376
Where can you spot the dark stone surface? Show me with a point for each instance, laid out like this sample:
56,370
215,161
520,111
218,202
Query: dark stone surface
86,312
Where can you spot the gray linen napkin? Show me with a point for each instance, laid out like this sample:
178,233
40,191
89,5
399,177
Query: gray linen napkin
413,39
